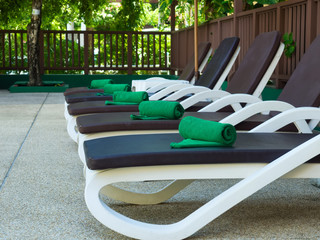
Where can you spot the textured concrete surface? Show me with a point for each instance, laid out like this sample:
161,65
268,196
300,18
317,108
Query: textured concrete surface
41,187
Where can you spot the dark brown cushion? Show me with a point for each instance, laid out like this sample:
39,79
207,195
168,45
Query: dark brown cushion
303,87
120,121
188,70
218,62
86,96
255,63
154,149
98,107
74,90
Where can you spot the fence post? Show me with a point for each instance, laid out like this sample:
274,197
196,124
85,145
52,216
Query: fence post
174,48
41,52
86,53
129,56
279,69
238,7
311,29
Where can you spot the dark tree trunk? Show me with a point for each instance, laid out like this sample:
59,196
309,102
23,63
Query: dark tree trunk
34,47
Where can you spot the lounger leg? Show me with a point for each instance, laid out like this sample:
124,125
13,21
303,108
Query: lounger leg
81,139
201,216
316,182
71,128
145,198
66,110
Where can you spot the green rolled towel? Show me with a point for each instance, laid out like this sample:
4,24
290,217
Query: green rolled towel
203,133
127,98
154,110
99,83
111,88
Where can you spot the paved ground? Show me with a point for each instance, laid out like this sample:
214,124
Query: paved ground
41,187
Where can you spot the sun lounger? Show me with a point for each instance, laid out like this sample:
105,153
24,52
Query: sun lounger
260,157
251,82
302,89
245,80
222,62
187,75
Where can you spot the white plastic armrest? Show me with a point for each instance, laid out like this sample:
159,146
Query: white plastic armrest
168,90
185,91
143,85
232,99
157,79
298,116
254,109
210,95
161,85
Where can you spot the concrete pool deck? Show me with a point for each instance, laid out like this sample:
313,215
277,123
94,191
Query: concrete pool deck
41,187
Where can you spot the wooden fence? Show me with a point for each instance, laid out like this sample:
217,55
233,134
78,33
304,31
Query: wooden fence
88,51
130,51
299,17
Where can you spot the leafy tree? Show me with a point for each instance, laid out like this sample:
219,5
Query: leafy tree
252,4
208,10
43,13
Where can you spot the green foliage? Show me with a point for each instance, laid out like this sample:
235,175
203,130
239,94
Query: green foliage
13,14
289,43
129,16
208,10
252,4
215,9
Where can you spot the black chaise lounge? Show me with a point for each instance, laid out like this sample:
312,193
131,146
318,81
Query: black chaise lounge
80,94
301,90
258,157
262,56
245,80
215,73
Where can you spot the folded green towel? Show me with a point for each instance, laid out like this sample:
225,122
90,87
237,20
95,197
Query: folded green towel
111,88
128,98
203,133
103,94
99,83
153,110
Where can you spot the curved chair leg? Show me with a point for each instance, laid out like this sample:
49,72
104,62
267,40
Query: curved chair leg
80,149
203,215
316,182
66,113
71,128
145,198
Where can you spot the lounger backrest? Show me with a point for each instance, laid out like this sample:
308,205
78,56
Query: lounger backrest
255,63
188,71
218,62
305,79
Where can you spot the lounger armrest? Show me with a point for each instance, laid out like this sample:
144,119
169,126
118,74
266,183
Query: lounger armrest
298,116
190,90
168,90
207,96
162,85
143,85
256,108
233,100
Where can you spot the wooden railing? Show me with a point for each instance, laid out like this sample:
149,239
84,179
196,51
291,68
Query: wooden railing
88,51
130,51
299,17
